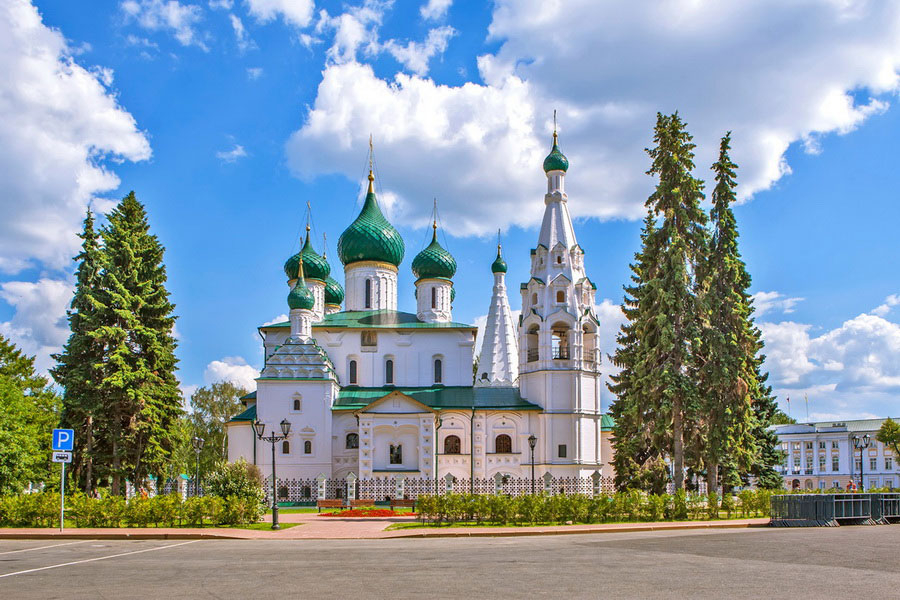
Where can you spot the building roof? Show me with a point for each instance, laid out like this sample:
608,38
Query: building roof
371,236
439,397
556,160
434,261
846,426
248,397
374,319
499,265
607,423
248,414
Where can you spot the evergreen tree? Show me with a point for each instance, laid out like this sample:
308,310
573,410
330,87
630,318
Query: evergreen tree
728,377
141,401
78,365
29,410
668,324
637,452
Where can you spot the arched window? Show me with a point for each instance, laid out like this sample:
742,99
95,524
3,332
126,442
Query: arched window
452,445
285,447
503,444
433,297
559,260
389,372
534,299
438,370
560,296
353,379
531,339
368,293
298,404
559,341
352,441
307,447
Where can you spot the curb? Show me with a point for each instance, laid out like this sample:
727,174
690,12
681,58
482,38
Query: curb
523,533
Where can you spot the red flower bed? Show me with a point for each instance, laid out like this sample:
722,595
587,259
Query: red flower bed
372,512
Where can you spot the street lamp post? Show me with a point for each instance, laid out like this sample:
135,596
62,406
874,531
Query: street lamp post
260,428
440,422
861,443
198,446
532,442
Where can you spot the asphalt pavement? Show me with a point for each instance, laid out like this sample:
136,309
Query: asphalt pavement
746,563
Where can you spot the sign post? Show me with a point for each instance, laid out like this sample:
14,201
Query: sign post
63,441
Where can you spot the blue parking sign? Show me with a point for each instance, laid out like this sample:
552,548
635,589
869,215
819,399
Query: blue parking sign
63,440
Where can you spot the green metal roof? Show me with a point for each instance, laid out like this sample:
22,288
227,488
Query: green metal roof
375,319
334,293
439,397
314,265
607,423
556,160
434,261
371,236
300,296
499,265
250,396
248,415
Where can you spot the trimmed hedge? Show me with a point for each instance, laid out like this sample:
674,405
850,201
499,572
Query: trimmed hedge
42,510
630,506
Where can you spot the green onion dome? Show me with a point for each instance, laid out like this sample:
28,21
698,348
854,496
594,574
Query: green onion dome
300,296
434,261
314,266
452,294
499,265
334,293
371,236
556,160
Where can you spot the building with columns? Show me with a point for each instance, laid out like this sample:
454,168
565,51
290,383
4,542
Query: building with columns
820,456
376,392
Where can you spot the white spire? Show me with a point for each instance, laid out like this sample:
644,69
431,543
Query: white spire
498,364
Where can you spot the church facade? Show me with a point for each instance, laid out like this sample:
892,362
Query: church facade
376,392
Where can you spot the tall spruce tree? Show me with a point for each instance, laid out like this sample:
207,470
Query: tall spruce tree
728,375
667,322
637,452
78,365
140,397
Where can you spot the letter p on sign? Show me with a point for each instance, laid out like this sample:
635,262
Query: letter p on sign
63,440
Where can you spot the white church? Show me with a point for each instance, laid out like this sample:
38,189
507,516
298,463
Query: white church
378,393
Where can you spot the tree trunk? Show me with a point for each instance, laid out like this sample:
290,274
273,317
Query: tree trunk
677,446
712,477
89,457
116,464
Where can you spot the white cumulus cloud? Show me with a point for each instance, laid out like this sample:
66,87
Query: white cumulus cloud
774,73
889,303
295,12
232,155
415,56
765,302
61,123
234,369
434,10
171,16
39,326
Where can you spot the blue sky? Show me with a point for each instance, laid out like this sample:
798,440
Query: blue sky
227,117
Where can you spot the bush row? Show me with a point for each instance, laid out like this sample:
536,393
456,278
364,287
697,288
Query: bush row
627,506
42,510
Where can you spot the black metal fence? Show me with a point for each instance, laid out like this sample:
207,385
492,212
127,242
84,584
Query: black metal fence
830,510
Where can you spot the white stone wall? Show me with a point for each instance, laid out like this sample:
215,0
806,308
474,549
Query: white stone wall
383,279
440,311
